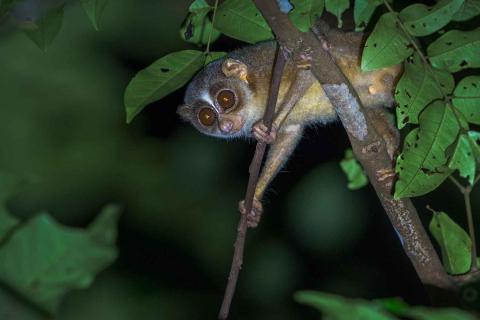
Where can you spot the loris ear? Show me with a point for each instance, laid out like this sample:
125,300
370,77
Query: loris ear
184,111
235,68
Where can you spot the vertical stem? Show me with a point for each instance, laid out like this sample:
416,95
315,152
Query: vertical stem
254,170
211,30
471,228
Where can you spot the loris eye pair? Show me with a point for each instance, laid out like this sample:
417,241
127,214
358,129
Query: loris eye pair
225,99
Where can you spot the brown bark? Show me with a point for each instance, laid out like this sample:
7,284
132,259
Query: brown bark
368,146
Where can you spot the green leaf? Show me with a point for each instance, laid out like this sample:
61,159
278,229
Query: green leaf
456,50
421,20
467,98
363,11
337,8
212,56
417,87
340,308
454,243
474,139
354,171
197,27
94,10
44,260
423,313
422,164
241,20
164,76
305,13
463,159
44,31
5,6
468,10
386,46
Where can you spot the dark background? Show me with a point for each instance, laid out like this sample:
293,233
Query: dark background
64,133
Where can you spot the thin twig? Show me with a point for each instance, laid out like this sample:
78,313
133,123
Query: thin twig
254,171
457,184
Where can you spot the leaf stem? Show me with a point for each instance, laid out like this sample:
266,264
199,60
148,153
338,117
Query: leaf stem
207,50
466,191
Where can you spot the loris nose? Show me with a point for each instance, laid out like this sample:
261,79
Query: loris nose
226,125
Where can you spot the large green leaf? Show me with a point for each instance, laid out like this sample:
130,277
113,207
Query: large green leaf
43,260
418,86
467,98
164,76
305,12
197,27
422,165
94,10
454,242
240,19
386,46
456,50
339,308
354,171
468,10
363,11
421,20
337,8
463,158
43,31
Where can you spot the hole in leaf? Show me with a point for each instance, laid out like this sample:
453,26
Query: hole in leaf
449,43
164,69
463,63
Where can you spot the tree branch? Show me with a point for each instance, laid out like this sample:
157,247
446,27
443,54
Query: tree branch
368,146
254,171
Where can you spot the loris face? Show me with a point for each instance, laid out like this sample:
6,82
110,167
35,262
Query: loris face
217,98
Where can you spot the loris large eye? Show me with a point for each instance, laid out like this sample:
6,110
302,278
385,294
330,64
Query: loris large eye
207,117
226,99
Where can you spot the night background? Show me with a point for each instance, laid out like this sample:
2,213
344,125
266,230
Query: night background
64,134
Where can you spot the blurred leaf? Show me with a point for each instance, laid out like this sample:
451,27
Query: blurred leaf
421,20
44,31
394,305
8,187
363,11
44,260
387,44
467,98
94,10
423,313
164,76
468,10
417,87
197,26
337,8
241,20
456,50
454,242
421,164
336,307
463,159
305,13
212,56
354,171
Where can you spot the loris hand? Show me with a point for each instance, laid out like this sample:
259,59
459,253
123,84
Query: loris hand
254,216
260,132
